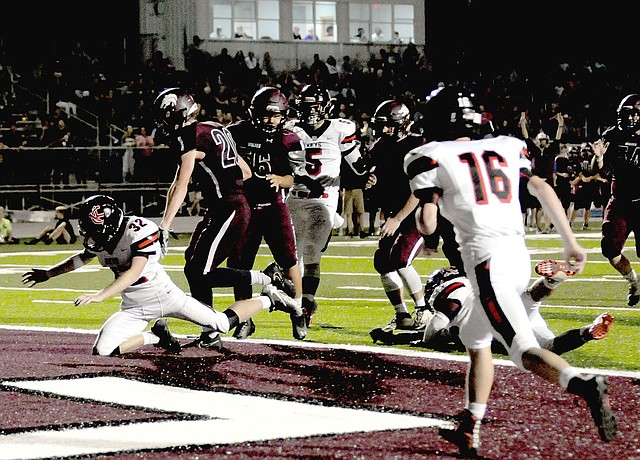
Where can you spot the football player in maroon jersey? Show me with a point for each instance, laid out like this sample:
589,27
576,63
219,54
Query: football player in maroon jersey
266,146
619,152
205,153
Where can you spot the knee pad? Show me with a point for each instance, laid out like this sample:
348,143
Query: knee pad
381,264
391,281
411,279
608,249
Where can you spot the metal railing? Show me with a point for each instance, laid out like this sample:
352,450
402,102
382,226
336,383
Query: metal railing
40,179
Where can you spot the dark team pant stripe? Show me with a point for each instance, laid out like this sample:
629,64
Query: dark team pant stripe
490,304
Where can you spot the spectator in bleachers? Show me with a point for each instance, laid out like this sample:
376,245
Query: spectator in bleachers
311,35
377,35
285,81
318,70
267,66
54,164
11,141
145,169
128,154
564,175
332,73
220,35
303,74
361,36
251,72
224,66
507,91
240,33
586,187
543,152
196,60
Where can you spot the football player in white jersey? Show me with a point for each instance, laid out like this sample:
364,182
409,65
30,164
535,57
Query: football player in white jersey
313,198
130,247
475,183
449,292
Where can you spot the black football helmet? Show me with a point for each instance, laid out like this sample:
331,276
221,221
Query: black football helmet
629,113
268,101
314,104
438,277
172,108
449,114
392,115
101,223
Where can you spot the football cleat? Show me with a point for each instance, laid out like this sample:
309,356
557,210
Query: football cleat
634,293
595,391
466,436
400,321
554,270
167,341
309,307
209,340
601,326
244,330
281,301
278,279
299,326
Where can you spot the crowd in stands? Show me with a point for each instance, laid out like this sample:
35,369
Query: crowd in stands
585,93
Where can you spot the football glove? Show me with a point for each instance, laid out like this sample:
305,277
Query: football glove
164,241
35,276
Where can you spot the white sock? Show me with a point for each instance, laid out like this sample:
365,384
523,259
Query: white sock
257,277
266,302
149,338
631,277
567,374
478,410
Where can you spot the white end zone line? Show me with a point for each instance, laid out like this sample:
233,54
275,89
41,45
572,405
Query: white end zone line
384,350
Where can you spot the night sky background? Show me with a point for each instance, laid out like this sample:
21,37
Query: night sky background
483,33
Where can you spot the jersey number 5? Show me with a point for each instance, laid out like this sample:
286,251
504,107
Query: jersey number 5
498,181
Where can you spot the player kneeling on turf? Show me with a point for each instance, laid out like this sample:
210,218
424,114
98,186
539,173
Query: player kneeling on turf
131,248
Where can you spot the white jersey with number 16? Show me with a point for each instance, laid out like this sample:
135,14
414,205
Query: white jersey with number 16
478,182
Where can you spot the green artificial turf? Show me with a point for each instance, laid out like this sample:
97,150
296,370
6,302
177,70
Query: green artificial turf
350,297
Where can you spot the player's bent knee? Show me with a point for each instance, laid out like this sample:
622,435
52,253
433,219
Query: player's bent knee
391,281
99,350
383,264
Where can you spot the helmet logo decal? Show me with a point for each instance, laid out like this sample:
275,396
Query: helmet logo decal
95,216
169,100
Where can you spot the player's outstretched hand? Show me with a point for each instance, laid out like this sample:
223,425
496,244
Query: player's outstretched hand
35,276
